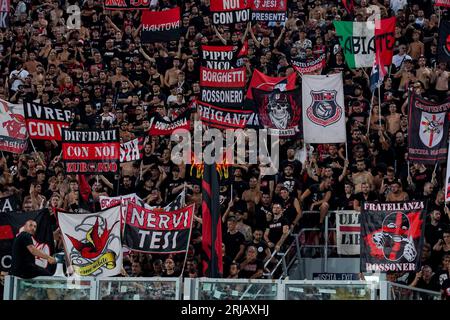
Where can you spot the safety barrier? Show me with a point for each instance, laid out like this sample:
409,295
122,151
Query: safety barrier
54,288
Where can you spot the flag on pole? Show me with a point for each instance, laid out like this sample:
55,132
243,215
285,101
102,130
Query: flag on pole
212,223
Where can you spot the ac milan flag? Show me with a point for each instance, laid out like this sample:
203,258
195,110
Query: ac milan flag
280,111
127,4
230,11
160,126
444,41
323,109
45,123
304,66
131,150
161,26
224,88
222,118
427,130
211,223
348,232
10,226
223,57
95,151
360,41
267,83
92,242
158,231
13,131
392,236
269,10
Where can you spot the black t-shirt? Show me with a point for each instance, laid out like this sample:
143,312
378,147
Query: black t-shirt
251,268
276,228
232,243
372,196
316,195
260,216
22,259
260,249
433,233
292,184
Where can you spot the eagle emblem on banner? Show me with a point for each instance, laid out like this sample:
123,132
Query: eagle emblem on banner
324,110
431,128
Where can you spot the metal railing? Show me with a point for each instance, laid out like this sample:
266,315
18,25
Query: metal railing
396,291
293,252
54,288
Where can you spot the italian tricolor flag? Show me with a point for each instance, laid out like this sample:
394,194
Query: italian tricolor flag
360,41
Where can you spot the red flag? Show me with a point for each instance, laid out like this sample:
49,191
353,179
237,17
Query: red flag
212,223
84,187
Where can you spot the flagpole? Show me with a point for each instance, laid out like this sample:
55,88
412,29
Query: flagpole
370,114
379,108
37,153
188,242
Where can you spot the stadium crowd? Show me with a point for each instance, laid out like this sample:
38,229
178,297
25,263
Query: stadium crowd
107,78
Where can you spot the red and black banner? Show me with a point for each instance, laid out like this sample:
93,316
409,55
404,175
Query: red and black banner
223,87
45,123
211,224
392,236
305,66
280,111
95,151
427,130
161,26
444,41
10,225
223,57
223,118
269,10
163,127
158,231
267,83
131,150
442,3
127,4
230,11
8,204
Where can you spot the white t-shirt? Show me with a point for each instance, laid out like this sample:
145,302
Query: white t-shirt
397,60
398,4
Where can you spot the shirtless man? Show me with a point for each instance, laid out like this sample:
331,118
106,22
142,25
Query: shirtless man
252,195
423,73
171,76
361,176
440,76
396,194
416,48
119,77
393,119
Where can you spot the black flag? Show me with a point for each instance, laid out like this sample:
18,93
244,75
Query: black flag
212,223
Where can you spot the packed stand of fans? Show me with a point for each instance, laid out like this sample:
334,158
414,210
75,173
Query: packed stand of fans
107,78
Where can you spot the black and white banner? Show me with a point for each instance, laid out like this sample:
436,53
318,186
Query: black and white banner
156,230
131,150
8,204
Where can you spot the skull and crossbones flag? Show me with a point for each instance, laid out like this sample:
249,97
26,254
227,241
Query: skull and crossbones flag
427,130
392,236
280,111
